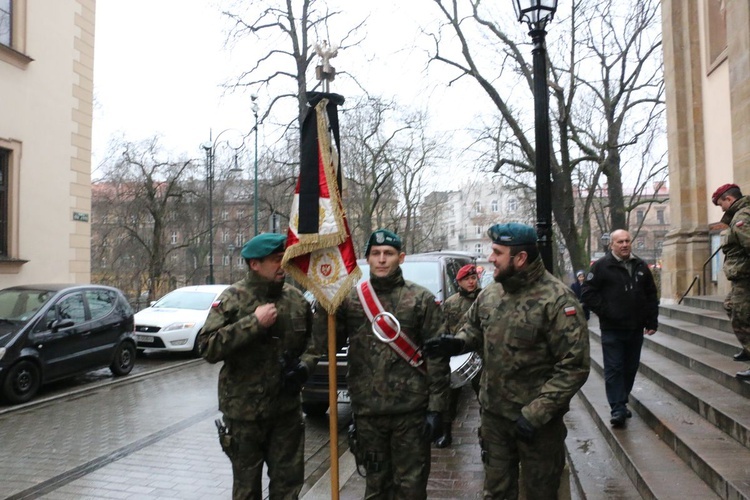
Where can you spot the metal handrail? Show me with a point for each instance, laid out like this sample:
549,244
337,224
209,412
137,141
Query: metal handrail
703,272
695,278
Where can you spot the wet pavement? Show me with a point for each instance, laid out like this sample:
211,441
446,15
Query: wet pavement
152,436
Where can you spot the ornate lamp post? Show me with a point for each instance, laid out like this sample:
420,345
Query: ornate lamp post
210,148
537,13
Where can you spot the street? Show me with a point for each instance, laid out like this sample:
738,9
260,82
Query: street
147,435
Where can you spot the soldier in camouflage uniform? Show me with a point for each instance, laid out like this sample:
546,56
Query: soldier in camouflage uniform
260,330
397,407
532,334
736,248
454,309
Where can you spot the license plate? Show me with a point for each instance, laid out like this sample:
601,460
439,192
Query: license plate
343,396
144,338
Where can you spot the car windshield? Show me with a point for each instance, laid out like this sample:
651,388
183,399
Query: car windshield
186,300
21,304
426,274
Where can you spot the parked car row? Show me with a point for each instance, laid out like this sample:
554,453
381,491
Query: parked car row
53,331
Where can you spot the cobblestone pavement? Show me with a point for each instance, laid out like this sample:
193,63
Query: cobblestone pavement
153,437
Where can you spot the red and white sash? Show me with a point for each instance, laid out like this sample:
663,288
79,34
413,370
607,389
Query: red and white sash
387,328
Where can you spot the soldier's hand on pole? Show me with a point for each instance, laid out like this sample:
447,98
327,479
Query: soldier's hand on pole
266,314
433,425
443,347
524,430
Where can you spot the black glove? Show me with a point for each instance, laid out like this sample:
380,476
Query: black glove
433,425
294,378
524,430
444,346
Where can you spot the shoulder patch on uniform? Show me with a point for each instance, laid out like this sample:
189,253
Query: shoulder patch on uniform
569,311
589,276
739,223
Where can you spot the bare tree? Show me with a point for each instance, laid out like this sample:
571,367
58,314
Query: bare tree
139,198
606,94
287,30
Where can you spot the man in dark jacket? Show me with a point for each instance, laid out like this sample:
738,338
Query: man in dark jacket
620,289
736,248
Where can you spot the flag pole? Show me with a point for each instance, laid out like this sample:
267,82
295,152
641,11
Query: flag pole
325,73
333,420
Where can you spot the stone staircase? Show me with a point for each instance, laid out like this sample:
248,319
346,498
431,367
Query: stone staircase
688,437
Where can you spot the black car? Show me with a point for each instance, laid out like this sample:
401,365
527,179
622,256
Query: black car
49,332
435,271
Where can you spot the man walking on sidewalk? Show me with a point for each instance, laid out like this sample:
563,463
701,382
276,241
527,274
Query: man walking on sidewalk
620,289
736,248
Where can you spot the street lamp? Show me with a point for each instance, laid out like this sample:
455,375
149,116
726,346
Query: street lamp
537,13
210,148
230,249
254,107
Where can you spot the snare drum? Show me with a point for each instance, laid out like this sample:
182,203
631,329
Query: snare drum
463,368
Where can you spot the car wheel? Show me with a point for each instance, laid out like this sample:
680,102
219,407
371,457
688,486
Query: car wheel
124,359
197,348
315,408
22,382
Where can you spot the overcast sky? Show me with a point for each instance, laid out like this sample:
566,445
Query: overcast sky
159,65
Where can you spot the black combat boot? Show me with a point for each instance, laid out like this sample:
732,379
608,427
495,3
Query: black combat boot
446,439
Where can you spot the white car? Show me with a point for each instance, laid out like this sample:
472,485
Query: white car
172,323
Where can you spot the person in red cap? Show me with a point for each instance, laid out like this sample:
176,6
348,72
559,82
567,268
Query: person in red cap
736,248
454,309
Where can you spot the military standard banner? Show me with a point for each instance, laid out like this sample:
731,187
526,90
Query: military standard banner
319,250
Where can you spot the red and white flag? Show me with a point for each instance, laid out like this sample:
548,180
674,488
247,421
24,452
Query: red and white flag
319,251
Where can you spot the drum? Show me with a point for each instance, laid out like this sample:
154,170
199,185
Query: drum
463,368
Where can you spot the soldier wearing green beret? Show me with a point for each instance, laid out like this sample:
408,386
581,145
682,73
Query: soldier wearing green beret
397,406
532,333
261,330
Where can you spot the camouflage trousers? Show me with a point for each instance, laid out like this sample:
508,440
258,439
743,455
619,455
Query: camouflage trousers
542,460
737,306
396,455
278,442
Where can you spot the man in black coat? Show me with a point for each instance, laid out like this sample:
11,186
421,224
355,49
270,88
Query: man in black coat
620,289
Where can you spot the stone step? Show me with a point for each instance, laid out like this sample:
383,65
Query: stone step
708,302
717,367
594,469
715,457
715,340
712,319
653,467
719,405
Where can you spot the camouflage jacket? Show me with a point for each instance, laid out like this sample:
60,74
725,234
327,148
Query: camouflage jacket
736,240
380,382
251,380
455,307
533,338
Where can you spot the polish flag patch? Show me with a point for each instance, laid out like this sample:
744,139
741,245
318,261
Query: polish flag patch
570,311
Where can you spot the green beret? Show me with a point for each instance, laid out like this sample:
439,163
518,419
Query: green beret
263,245
383,237
512,234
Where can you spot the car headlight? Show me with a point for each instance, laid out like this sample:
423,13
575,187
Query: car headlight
2,352
178,326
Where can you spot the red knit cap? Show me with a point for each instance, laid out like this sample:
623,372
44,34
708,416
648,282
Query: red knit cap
722,189
465,271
